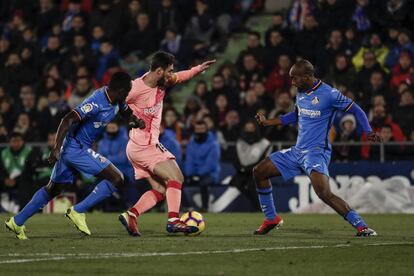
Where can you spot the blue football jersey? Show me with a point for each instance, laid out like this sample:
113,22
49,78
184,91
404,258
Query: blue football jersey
95,113
316,111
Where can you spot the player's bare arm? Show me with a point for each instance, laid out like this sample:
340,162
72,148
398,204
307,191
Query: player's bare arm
69,119
261,120
185,75
132,120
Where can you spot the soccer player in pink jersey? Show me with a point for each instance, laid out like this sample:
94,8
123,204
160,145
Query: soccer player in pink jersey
149,158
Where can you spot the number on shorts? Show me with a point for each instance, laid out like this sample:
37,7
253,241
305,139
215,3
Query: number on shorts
161,147
93,153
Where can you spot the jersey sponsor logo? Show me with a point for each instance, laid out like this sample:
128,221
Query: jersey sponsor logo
309,112
87,108
97,124
315,101
153,109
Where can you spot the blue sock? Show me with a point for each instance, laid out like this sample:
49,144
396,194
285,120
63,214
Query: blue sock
103,190
355,219
38,201
266,202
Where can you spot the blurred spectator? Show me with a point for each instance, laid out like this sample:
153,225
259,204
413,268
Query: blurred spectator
15,74
98,35
113,146
219,87
4,133
109,15
201,91
334,47
403,113
52,53
276,47
404,43
46,17
54,111
362,15
250,72
229,72
351,41
200,29
298,12
370,65
251,105
169,141
142,32
379,120
172,43
255,48
376,86
220,109
376,46
167,17
391,12
79,54
279,78
308,40
25,126
4,51
78,28
172,123
283,105
265,100
342,73
191,110
73,9
346,133
278,24
107,54
201,165
81,91
391,152
16,173
251,148
231,127
7,111
401,71
334,14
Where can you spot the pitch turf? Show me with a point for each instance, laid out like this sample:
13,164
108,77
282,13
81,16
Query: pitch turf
306,245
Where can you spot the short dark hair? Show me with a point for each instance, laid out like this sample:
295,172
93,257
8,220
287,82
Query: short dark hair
120,81
161,59
16,134
256,34
306,66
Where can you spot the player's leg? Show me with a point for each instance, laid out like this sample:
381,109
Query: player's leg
60,174
147,201
261,175
171,174
320,183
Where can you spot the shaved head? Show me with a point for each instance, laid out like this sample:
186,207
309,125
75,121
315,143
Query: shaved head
302,74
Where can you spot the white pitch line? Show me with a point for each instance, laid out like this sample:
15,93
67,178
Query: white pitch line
88,256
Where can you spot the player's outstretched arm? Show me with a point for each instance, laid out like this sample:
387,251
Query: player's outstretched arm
69,119
186,75
363,121
288,118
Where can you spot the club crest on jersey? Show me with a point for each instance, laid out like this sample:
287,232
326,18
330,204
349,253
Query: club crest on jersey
87,108
315,101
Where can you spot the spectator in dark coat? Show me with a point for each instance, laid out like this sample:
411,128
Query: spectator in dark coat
202,162
255,48
14,75
403,113
109,16
404,44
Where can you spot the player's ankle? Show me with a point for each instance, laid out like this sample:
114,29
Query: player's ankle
133,212
173,215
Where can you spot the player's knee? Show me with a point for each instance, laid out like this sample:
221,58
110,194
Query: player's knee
324,194
118,180
178,176
53,189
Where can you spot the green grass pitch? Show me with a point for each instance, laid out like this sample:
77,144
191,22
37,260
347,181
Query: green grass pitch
306,245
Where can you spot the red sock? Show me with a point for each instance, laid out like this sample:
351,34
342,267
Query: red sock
148,200
173,198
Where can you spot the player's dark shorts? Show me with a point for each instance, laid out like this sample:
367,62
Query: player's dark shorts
75,157
292,162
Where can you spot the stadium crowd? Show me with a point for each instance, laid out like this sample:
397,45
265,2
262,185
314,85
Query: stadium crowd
53,54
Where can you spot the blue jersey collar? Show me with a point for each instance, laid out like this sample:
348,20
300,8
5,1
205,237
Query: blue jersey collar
315,86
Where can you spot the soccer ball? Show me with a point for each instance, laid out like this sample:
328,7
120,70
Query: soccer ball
194,218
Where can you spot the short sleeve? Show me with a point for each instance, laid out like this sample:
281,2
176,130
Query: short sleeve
340,101
87,108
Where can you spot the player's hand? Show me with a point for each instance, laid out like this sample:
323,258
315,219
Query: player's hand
206,64
54,155
135,122
260,118
374,137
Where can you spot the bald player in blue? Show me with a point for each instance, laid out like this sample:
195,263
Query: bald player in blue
73,153
316,107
